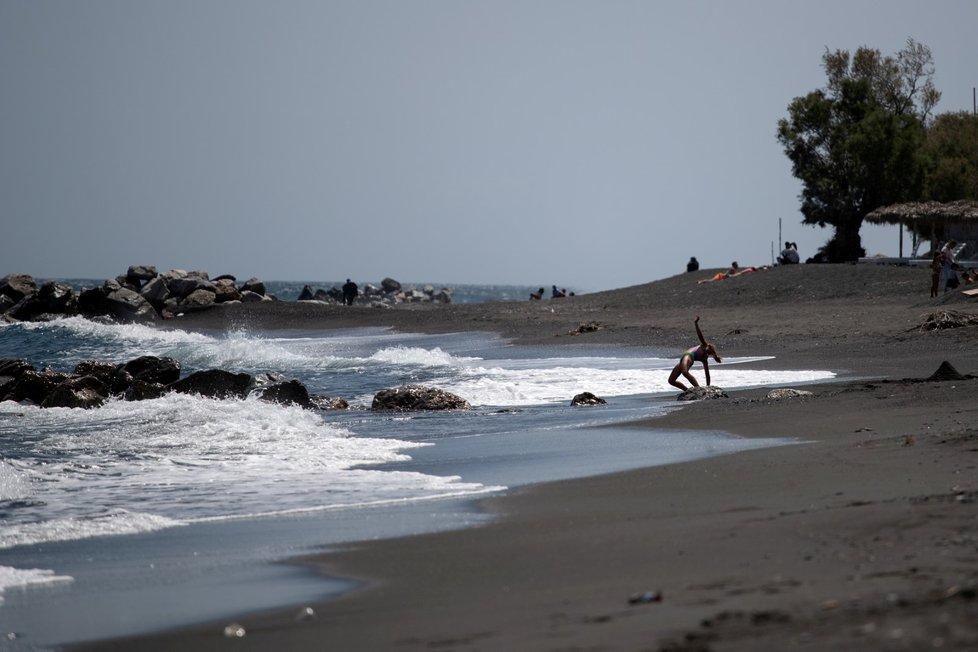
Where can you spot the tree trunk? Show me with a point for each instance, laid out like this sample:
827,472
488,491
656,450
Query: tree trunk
846,245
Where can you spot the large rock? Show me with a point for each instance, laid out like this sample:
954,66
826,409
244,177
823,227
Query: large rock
14,367
102,371
214,383
199,299
417,397
141,273
84,392
52,299
156,292
390,285
184,287
700,393
587,398
290,392
35,386
253,285
126,305
152,369
17,286
225,290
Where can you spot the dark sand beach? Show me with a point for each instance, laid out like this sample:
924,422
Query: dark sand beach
863,536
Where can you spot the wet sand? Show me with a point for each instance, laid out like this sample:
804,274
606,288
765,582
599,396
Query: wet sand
861,536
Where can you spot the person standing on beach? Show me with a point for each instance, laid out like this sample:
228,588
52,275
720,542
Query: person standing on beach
950,266
699,353
936,266
350,292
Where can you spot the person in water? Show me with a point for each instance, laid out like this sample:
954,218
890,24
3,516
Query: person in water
699,353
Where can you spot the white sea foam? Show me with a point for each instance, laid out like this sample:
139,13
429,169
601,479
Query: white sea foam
72,529
28,577
522,382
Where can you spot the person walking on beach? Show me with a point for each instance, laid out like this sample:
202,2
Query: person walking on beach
699,353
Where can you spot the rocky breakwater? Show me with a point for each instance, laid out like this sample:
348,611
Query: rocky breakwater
140,295
91,383
389,293
143,295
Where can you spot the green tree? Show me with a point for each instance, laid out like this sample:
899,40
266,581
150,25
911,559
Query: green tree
855,145
951,157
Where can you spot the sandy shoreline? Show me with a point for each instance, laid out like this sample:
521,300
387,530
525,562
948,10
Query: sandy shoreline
861,538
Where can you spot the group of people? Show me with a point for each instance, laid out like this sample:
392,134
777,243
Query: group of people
554,294
945,266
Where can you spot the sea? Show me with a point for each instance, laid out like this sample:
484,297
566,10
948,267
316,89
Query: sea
142,516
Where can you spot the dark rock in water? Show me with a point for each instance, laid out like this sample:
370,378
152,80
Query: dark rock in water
183,287
128,306
390,285
214,383
156,292
199,299
17,286
225,290
6,303
417,397
698,393
103,371
151,369
247,296
14,367
141,272
946,372
139,390
53,298
253,285
35,386
290,392
85,392
93,302
307,294
121,382
587,398
328,402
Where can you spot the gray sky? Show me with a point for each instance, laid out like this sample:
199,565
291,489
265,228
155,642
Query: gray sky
591,145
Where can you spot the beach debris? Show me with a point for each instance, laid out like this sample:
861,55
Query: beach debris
645,597
944,319
587,398
234,630
417,397
698,393
586,327
306,613
786,392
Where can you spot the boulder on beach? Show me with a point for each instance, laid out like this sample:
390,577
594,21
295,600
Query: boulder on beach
417,397
699,393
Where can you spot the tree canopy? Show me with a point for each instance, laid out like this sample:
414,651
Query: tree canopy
856,144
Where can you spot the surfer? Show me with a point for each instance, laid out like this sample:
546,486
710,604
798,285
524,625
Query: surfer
699,353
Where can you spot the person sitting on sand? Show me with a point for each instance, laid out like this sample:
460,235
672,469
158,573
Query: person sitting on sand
699,353
536,296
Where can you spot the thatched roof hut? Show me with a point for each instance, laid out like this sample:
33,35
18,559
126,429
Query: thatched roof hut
926,213
953,220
